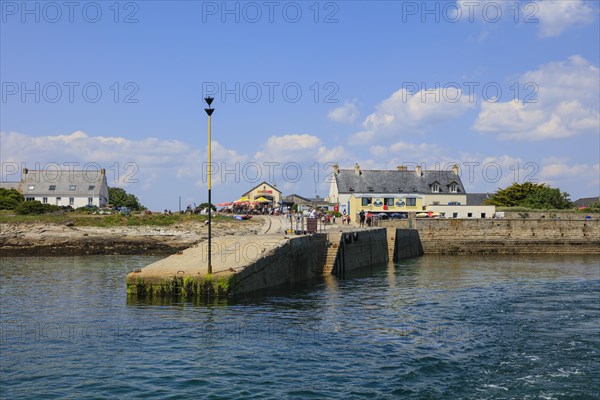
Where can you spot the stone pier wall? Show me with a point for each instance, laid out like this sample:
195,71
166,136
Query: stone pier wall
504,236
361,249
300,259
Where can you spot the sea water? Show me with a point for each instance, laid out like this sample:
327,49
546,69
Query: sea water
455,327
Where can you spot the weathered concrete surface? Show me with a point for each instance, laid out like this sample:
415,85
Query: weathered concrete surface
361,248
187,271
406,244
246,264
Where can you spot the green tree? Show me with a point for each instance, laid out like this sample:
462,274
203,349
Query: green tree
531,195
118,197
10,199
202,206
594,207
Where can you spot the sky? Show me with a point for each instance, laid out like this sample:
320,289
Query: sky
507,90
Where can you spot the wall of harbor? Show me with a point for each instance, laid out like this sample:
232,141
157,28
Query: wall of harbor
504,236
361,249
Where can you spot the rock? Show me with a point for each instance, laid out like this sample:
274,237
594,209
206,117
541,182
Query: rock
70,223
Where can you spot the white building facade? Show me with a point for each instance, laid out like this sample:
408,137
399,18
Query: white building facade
63,188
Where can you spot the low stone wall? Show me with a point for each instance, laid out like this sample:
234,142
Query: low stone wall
504,236
561,215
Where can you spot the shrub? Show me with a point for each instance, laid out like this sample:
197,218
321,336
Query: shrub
34,208
9,199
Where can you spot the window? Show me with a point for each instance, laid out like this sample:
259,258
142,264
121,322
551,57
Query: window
52,187
482,215
454,188
400,189
351,189
436,203
370,188
58,199
454,203
366,201
72,187
454,215
389,201
469,215
71,201
45,200
29,198
435,188
90,200
411,201
31,187
91,187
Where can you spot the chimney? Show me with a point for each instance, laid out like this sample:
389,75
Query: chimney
419,171
336,168
402,168
455,169
357,169
24,174
102,172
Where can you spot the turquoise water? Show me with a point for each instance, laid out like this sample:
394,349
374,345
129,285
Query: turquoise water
434,327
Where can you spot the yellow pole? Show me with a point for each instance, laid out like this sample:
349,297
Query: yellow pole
209,169
209,158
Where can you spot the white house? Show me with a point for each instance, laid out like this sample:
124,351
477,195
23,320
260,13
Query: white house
391,191
63,188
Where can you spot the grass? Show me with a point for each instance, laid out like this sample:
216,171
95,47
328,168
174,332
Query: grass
85,219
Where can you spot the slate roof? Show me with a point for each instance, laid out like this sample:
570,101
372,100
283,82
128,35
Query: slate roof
10,185
394,181
477,199
65,183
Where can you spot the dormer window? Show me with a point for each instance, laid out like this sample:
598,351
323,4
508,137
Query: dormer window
400,189
72,187
31,187
435,187
454,188
91,187
370,189
351,189
52,187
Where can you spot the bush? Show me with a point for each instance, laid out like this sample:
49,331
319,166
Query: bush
9,199
34,208
594,207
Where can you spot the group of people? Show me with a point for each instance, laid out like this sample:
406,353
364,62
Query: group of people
368,218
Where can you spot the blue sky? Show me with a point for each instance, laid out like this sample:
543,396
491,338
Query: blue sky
508,90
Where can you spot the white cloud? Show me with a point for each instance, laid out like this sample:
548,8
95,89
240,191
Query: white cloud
300,148
290,147
552,17
147,166
345,114
567,104
409,112
557,16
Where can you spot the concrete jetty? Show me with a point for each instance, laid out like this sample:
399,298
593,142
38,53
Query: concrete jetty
251,263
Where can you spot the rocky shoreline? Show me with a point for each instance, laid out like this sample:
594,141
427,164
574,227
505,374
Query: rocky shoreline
37,239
